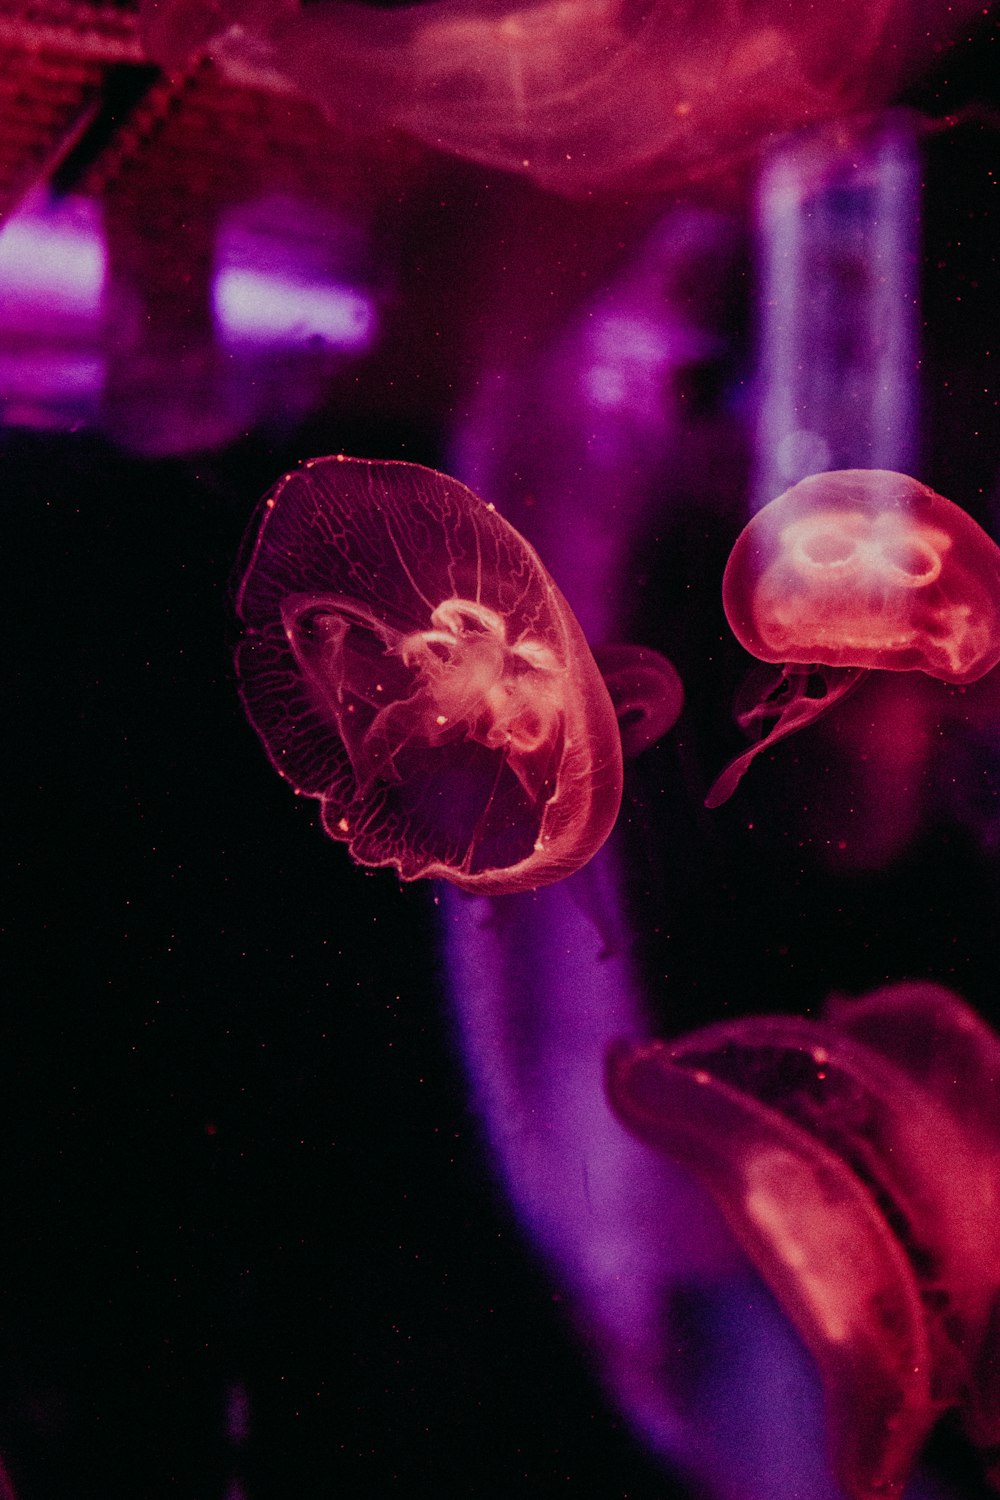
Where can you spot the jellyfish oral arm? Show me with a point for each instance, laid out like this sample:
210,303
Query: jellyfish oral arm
795,709
465,680
506,697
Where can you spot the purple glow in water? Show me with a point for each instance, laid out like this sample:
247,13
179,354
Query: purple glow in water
287,277
76,347
53,263
53,266
267,309
539,984
837,226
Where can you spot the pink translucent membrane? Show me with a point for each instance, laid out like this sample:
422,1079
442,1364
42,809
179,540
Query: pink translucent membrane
908,753
646,691
788,699
850,571
577,94
857,1161
409,662
867,568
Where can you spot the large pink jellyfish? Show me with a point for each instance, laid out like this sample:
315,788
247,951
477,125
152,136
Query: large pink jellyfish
849,571
857,1161
577,94
409,662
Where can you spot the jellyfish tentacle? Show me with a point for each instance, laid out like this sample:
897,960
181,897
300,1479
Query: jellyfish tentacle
791,704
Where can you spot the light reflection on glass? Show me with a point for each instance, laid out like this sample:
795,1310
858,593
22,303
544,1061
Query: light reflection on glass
259,309
76,350
52,273
838,307
284,278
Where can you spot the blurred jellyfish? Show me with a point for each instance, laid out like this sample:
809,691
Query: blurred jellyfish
913,752
646,691
857,1161
850,571
577,94
409,662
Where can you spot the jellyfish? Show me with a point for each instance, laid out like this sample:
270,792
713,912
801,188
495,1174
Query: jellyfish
409,662
646,691
576,94
857,1162
847,572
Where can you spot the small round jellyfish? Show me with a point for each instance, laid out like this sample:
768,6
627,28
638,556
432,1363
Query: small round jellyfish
646,691
409,662
850,571
857,1162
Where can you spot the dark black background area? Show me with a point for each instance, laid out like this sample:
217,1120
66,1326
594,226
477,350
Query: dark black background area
235,1143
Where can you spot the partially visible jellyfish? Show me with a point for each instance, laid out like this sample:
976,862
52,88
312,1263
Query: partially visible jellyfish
850,571
857,1162
409,662
646,691
916,753
577,94
6,1487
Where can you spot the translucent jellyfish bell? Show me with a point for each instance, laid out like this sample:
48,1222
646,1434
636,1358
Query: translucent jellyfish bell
409,662
577,94
867,568
857,1161
850,571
